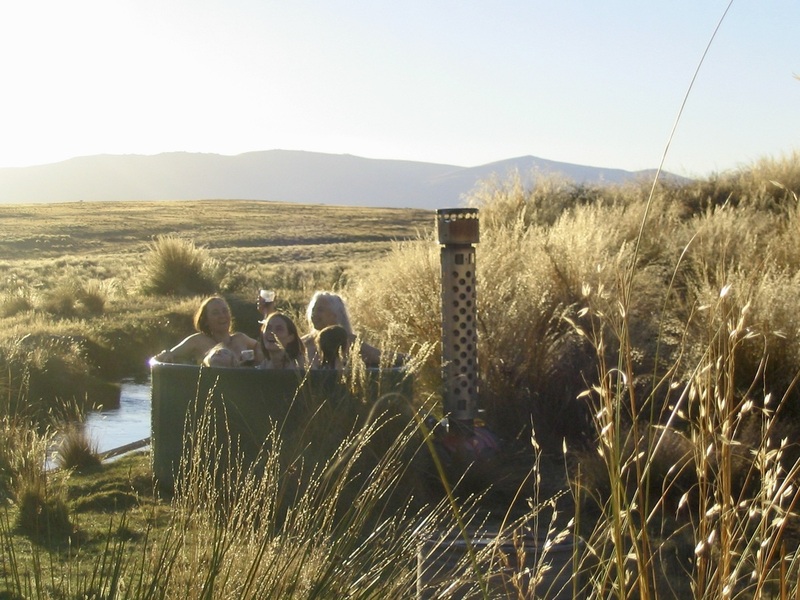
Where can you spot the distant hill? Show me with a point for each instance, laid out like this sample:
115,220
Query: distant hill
282,175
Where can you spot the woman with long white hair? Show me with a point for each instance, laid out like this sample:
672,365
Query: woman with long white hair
324,310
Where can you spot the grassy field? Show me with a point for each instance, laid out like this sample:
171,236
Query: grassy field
642,339
74,274
45,244
60,351
99,229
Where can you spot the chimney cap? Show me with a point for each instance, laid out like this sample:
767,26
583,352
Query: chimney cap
458,226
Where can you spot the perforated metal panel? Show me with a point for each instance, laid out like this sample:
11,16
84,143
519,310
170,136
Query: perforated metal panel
458,232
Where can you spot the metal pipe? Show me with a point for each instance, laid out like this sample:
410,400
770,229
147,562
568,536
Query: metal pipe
458,233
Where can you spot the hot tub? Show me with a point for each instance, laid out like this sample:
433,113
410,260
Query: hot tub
311,411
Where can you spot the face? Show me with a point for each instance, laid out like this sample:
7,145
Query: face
322,314
218,316
276,333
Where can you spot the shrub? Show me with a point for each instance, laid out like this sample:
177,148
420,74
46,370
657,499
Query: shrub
43,512
15,301
70,297
76,450
92,298
61,300
177,267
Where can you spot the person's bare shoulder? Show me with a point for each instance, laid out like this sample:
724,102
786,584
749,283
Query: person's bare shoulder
191,343
190,349
245,338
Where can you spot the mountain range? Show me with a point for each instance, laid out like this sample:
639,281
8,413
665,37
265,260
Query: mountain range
280,175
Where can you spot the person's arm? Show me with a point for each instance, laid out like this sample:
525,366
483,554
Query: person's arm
185,351
264,307
259,353
165,356
369,354
310,342
242,340
255,347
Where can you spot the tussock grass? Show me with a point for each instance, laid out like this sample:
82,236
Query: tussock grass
290,537
176,266
76,450
292,525
15,442
714,487
15,301
62,300
42,513
40,500
663,353
45,372
72,298
400,302
549,253
657,358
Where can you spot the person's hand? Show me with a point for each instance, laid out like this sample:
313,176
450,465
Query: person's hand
264,307
165,356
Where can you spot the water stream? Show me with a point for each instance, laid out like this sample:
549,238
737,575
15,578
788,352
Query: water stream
130,422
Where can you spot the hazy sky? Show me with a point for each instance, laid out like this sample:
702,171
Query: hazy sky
460,82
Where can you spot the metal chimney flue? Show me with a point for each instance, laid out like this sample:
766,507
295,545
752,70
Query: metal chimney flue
458,233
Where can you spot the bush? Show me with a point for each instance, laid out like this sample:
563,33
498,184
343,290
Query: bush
177,267
76,450
61,300
15,301
567,274
72,298
42,512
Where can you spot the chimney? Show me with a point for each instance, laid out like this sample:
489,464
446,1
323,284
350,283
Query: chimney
458,234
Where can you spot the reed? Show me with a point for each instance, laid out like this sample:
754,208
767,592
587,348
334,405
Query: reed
729,529
332,523
670,344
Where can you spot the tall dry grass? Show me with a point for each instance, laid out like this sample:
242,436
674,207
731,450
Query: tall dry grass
664,352
296,523
39,499
724,505
661,352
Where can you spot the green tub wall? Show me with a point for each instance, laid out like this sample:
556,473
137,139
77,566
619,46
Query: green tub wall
313,410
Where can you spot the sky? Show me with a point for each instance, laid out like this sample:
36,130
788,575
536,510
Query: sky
458,82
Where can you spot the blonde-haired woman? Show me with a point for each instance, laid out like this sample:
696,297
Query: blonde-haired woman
324,310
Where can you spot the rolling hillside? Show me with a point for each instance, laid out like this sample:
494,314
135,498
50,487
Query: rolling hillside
281,175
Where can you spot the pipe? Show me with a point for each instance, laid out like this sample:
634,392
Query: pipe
458,233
